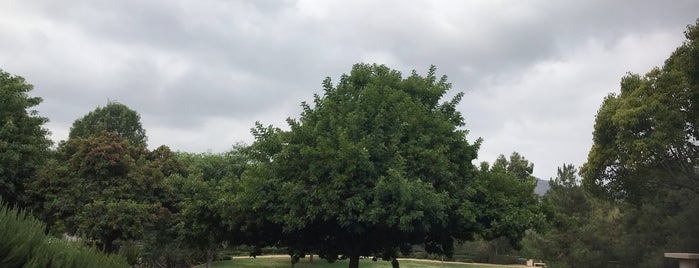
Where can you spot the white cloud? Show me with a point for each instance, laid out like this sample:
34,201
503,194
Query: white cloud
202,72
546,112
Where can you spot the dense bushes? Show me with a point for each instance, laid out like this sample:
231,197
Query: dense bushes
25,244
496,251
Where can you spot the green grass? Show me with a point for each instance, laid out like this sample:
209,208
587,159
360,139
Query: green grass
319,263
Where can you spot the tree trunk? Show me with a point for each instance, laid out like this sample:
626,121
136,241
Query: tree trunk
209,259
395,264
354,261
310,259
294,260
108,246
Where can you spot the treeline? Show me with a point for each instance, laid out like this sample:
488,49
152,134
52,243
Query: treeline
639,192
378,164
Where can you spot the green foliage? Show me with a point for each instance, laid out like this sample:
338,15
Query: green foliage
217,167
171,255
23,140
114,117
643,166
109,220
517,166
377,164
131,251
580,231
506,203
645,158
646,136
105,188
496,251
21,236
198,224
24,244
198,231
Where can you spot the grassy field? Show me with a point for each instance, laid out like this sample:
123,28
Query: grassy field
318,263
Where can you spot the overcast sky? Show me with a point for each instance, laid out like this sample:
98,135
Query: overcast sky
201,73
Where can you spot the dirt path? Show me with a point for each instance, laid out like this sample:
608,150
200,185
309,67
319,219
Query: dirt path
456,262
262,257
400,259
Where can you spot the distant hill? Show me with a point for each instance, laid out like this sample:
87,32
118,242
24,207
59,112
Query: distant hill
542,186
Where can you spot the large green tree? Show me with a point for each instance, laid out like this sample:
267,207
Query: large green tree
646,136
103,185
23,140
375,165
645,156
105,188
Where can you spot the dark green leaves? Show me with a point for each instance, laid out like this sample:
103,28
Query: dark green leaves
647,136
376,164
23,140
114,117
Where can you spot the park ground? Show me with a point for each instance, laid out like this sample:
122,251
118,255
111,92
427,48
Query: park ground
283,261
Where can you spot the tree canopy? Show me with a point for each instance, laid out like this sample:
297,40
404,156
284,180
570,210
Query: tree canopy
105,188
24,144
114,117
646,137
379,163
375,165
640,185
579,231
103,182
200,224
505,199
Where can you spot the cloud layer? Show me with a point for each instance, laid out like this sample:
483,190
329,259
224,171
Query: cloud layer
202,72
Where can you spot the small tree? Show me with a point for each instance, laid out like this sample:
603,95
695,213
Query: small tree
504,196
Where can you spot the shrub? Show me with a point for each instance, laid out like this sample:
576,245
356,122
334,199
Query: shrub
24,243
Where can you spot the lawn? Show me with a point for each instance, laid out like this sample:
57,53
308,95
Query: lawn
319,263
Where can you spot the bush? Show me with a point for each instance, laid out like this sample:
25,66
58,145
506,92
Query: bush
21,234
131,251
171,254
420,255
505,259
24,243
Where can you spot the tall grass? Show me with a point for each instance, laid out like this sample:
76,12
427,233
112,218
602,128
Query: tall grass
24,243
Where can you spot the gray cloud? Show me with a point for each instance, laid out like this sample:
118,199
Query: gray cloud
201,72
